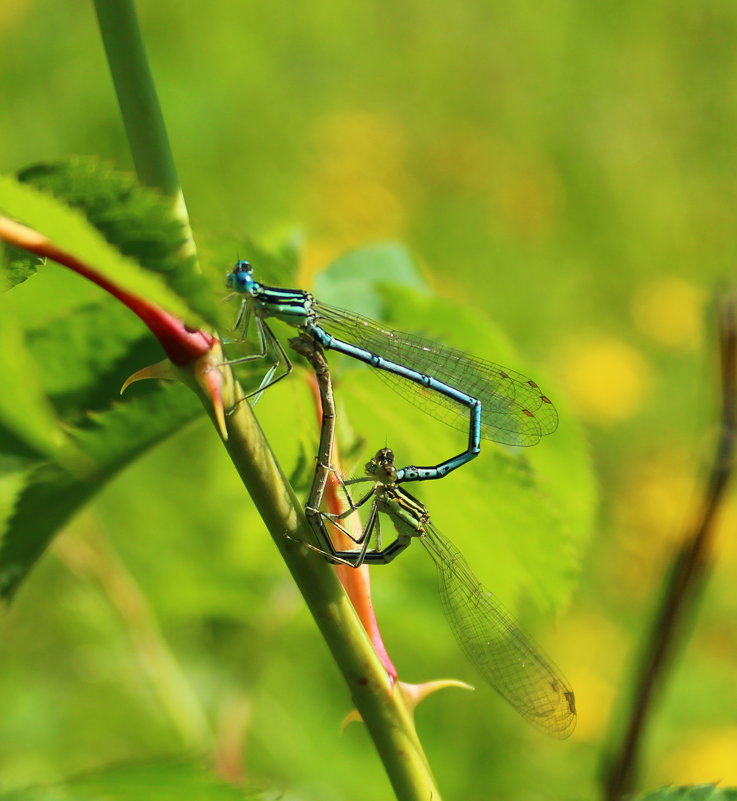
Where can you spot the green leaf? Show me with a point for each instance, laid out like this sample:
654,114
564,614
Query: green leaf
691,792
168,781
81,342
353,281
85,357
68,229
108,442
520,515
138,221
25,412
19,264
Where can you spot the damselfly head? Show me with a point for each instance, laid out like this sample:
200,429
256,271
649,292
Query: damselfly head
240,278
382,467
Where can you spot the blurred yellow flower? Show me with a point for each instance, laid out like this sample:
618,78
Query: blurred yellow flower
669,310
356,189
656,503
12,12
607,379
594,649
659,500
708,756
594,699
314,256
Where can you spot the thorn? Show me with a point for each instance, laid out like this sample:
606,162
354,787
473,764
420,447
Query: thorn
162,370
208,378
415,693
354,716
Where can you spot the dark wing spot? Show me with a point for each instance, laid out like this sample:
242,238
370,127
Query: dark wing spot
528,412
545,399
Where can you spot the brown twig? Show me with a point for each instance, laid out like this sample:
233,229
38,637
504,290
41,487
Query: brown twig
686,574
355,581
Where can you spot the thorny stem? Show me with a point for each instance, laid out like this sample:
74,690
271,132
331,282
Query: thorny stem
687,574
376,697
181,344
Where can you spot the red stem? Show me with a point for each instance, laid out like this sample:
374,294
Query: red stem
181,343
356,581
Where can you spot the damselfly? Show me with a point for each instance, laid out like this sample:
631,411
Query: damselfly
500,405
486,632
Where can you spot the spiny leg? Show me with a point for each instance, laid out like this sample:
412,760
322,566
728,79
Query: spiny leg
270,346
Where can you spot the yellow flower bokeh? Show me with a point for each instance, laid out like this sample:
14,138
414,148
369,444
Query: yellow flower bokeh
707,756
357,187
608,380
657,499
594,651
669,311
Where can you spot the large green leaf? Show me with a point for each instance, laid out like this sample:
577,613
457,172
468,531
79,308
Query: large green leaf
521,515
167,781
138,221
25,412
68,228
353,281
108,442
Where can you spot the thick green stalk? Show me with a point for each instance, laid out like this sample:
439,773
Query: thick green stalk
139,103
378,700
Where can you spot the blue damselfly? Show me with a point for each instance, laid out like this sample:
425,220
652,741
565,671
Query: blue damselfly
488,400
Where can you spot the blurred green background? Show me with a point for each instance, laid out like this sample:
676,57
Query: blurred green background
565,169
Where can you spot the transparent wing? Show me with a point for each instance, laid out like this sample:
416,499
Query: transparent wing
496,645
515,411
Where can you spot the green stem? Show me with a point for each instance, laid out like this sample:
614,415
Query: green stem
139,103
377,698
95,558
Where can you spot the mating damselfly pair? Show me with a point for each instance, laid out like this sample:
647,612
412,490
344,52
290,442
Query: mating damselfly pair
501,405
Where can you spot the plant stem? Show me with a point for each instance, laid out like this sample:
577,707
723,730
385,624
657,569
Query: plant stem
376,697
356,581
95,558
139,104
686,575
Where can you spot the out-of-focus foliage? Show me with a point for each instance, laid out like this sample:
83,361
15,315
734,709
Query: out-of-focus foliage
134,782
702,792
564,170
